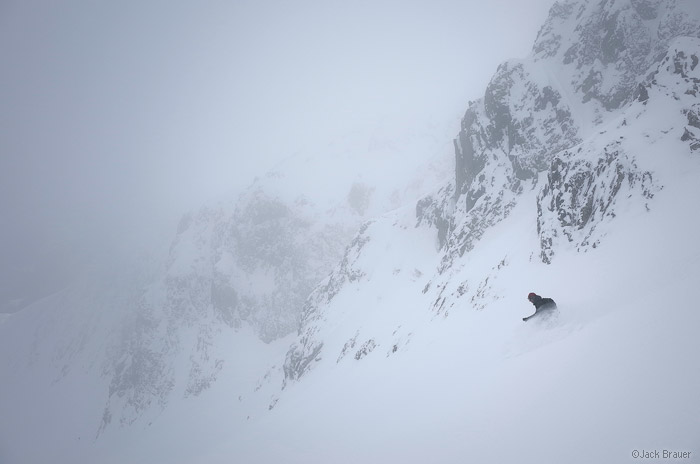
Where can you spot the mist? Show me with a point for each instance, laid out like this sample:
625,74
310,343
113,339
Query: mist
115,118
314,231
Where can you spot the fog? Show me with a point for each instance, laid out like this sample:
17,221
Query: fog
116,117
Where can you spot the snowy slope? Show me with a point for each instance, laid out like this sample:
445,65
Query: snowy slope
616,372
583,193
575,176
582,187
123,350
251,263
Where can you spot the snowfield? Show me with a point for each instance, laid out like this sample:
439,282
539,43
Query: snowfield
614,372
575,177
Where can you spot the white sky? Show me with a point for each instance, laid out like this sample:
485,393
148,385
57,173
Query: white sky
117,116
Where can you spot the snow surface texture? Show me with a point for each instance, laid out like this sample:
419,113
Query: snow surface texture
567,152
575,176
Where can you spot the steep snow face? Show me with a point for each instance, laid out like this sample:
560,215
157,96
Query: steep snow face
574,177
581,192
255,260
252,267
575,181
252,262
234,283
584,183
590,61
420,324
568,175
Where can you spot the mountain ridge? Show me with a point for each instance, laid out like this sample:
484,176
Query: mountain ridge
585,180
573,176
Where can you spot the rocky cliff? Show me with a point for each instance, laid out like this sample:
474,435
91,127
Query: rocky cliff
568,134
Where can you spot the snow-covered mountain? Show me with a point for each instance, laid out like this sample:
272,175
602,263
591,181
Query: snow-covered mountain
253,262
576,152
567,182
234,282
376,316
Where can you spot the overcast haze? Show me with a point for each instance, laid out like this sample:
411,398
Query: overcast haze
117,116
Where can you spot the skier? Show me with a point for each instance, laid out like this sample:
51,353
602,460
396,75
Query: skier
541,304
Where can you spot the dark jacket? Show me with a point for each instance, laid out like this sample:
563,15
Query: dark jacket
543,303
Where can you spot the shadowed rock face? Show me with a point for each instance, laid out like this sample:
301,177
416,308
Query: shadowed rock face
589,58
307,348
432,211
254,264
580,194
539,128
517,117
678,76
614,44
248,266
506,139
583,185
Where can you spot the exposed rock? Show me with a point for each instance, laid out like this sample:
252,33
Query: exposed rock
580,194
436,211
299,360
366,348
